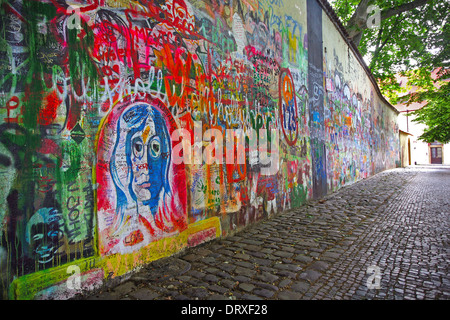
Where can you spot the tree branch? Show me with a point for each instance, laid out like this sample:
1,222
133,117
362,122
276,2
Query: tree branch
358,22
359,17
386,14
378,48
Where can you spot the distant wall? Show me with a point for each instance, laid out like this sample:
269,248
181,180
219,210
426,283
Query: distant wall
361,132
111,114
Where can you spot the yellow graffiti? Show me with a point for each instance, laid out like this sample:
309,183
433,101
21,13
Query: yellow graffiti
28,286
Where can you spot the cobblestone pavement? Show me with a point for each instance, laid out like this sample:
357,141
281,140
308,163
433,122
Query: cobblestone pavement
385,237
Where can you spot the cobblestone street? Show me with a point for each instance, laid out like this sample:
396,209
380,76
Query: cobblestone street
385,237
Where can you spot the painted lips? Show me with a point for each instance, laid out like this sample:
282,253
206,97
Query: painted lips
145,185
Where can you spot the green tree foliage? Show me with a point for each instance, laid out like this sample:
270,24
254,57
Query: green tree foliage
436,113
411,39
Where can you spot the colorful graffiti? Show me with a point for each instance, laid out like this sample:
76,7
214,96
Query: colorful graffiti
96,97
361,136
138,200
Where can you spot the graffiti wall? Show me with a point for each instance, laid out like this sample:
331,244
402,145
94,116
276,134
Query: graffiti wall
133,129
361,134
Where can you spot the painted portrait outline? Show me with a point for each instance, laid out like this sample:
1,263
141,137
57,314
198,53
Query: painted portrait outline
141,193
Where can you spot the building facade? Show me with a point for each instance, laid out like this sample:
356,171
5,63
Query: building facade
420,152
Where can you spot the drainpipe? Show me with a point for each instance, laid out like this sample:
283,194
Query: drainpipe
407,124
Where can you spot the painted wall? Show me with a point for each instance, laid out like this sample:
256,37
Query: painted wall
361,134
110,116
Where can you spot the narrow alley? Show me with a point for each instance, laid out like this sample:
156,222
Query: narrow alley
385,237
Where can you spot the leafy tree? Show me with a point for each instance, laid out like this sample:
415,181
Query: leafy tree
410,38
436,113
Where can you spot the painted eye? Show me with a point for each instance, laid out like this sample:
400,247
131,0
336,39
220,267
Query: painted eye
38,237
155,147
5,161
138,148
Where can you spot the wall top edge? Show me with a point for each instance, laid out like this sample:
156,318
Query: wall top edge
328,9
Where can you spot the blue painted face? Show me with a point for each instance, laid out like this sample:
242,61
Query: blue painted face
147,149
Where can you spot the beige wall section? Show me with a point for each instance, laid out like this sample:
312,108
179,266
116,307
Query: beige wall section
405,148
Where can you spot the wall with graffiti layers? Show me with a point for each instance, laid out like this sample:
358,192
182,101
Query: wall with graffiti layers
361,136
132,129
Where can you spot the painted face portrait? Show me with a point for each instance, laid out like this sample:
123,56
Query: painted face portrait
43,234
139,199
143,144
147,162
